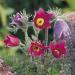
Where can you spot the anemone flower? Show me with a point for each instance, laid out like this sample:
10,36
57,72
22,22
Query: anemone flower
58,49
42,19
36,49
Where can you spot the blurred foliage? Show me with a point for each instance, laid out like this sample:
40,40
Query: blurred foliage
7,7
4,12
71,4
31,5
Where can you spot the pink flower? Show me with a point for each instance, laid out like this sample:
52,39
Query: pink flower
36,49
58,49
42,19
11,41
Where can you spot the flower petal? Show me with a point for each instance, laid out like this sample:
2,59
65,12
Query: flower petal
11,41
61,29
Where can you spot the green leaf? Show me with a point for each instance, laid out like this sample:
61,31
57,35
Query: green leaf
54,72
50,35
30,31
41,35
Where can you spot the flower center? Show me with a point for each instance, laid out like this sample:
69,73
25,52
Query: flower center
36,48
57,51
40,21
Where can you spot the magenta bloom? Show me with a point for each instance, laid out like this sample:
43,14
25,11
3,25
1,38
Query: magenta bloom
61,29
17,19
36,49
11,41
58,49
42,19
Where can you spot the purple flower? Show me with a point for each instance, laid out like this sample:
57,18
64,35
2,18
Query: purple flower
17,19
61,29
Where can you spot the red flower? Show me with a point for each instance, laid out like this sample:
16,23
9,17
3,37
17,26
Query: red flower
42,19
58,49
36,49
11,41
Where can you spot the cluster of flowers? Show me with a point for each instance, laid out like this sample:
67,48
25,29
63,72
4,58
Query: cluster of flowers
42,20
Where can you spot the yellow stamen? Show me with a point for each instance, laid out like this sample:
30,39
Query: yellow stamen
40,21
36,48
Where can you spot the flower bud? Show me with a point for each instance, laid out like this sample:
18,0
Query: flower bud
11,41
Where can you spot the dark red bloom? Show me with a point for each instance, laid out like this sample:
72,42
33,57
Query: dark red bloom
36,49
58,49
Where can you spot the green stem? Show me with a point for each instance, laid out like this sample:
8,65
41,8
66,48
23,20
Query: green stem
46,44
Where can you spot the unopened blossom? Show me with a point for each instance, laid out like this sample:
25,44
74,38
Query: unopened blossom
11,41
17,19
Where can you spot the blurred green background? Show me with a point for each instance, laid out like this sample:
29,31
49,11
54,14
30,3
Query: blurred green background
9,7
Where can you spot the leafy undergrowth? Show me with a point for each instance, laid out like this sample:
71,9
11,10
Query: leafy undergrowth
22,65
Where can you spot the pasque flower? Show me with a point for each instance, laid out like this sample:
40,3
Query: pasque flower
17,19
36,49
61,29
42,19
58,49
11,41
